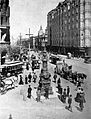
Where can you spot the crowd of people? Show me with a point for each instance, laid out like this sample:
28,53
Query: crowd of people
64,94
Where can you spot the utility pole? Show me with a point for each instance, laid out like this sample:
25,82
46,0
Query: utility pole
29,34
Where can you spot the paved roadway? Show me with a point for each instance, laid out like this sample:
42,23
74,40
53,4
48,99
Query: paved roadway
12,102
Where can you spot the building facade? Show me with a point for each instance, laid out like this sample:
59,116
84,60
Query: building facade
4,21
4,28
68,27
41,39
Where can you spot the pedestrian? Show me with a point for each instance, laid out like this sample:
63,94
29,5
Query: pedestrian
58,82
83,95
21,81
64,96
29,77
77,98
27,66
33,63
68,91
10,116
60,90
47,93
40,83
82,99
26,79
38,95
70,102
79,83
29,92
55,77
34,77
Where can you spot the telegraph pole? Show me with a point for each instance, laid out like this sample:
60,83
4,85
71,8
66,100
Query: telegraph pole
29,34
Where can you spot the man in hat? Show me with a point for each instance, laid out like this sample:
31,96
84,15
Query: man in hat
29,92
70,102
21,80
26,79
34,77
68,91
29,77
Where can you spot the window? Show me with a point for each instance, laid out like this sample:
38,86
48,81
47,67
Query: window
68,6
73,19
65,21
76,10
64,9
73,12
77,17
69,14
69,27
77,25
73,26
53,15
69,20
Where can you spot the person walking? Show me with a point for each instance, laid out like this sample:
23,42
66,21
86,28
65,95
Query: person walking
82,99
29,92
70,102
60,90
10,116
21,81
26,79
34,77
58,82
55,77
38,95
68,91
47,93
29,77
27,66
64,96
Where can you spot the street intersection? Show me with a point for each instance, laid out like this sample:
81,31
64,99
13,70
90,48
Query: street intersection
16,103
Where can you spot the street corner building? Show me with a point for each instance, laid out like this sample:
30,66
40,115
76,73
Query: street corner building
4,28
69,27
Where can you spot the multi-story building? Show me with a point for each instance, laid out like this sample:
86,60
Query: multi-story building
4,20
69,27
39,39
85,25
4,28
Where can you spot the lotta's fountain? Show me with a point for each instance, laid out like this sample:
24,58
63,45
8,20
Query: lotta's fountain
45,81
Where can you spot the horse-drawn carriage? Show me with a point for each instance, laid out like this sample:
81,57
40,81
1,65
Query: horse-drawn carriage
65,71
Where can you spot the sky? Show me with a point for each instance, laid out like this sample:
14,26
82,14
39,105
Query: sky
25,14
